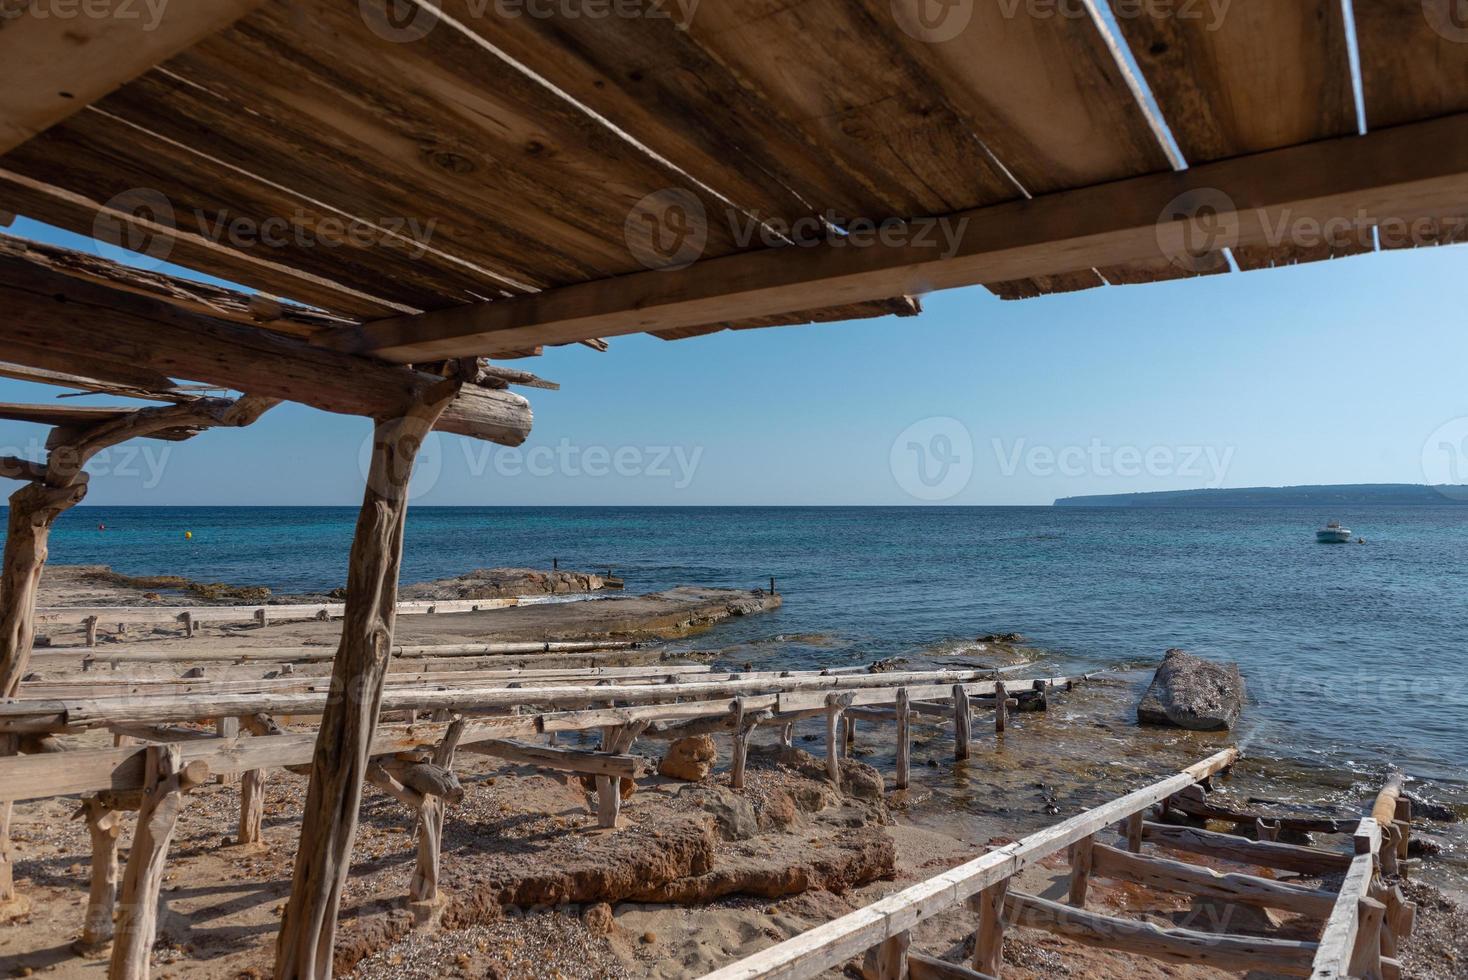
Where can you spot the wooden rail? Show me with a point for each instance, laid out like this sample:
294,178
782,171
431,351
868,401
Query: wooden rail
1361,924
322,653
889,922
133,615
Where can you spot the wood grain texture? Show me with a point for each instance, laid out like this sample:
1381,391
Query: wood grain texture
52,65
1252,76
348,724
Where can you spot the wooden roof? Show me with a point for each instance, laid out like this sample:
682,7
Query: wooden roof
449,178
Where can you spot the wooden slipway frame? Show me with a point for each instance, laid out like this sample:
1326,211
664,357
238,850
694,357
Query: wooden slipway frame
1361,923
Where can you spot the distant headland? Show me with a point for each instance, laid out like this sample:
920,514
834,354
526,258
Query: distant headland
1347,494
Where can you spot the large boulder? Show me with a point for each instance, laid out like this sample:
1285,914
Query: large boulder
690,759
1193,693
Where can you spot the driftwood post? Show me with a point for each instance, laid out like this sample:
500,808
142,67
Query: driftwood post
740,747
329,824
252,807
1080,870
424,885
904,737
833,738
104,824
1001,707
989,940
962,721
165,785
787,734
892,957
10,902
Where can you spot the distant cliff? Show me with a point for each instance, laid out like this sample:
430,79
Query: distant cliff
1351,494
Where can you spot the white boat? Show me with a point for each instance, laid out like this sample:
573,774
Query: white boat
1333,533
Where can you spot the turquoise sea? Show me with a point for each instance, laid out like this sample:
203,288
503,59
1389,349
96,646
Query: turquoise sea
1355,655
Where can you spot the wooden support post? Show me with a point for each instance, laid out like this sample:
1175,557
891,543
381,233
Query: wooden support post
787,734
1403,819
189,625
989,939
904,738
616,740
104,824
833,740
849,734
1081,857
260,618
34,508
227,727
740,746
1266,830
1134,831
348,723
91,625
1366,956
252,807
892,957
424,885
1387,855
10,902
1001,708
166,782
962,721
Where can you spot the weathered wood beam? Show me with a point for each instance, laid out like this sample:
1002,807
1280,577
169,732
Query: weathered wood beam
1266,854
1225,952
562,759
1179,876
104,825
52,319
349,724
52,65
1376,178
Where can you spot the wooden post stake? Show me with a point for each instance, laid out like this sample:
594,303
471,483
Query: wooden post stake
104,825
260,618
1366,956
904,737
227,727
787,734
892,957
348,723
833,740
91,624
1134,831
989,940
424,885
848,734
188,622
1001,708
1266,830
1080,870
10,902
252,807
741,747
166,783
962,722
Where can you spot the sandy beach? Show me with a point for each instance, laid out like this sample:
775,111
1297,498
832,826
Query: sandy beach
697,874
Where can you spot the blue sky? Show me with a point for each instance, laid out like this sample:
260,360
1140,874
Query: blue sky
1338,372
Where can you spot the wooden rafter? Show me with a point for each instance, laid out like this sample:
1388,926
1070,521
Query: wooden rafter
53,65
1379,177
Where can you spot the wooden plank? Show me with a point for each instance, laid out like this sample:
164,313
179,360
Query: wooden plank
1338,940
1414,58
51,317
1382,173
828,945
563,760
241,614
1178,876
1253,77
1268,854
1218,950
53,65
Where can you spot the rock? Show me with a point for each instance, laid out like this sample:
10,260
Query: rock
1431,811
599,920
1193,693
731,812
1009,639
690,759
